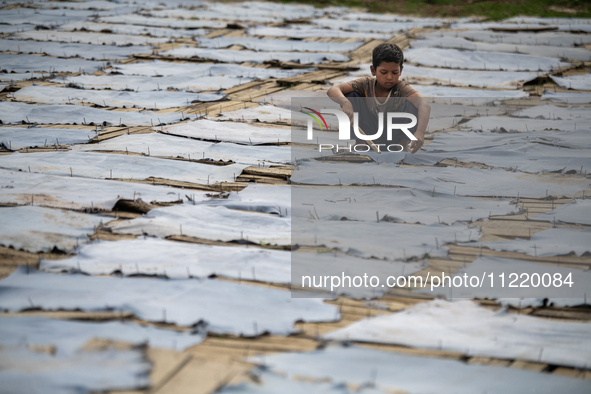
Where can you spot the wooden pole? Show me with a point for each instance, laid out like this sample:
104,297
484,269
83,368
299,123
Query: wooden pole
370,143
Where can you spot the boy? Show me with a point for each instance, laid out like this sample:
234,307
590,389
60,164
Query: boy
384,93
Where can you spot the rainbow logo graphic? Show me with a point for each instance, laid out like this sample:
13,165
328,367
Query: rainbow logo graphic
316,119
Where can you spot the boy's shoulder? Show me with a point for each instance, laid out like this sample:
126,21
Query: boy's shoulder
365,86
403,89
362,80
362,85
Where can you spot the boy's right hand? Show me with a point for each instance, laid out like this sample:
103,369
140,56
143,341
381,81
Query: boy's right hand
347,108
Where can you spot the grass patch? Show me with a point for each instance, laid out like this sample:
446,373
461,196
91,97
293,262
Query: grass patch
490,9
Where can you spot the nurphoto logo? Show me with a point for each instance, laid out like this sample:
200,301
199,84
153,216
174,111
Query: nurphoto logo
345,127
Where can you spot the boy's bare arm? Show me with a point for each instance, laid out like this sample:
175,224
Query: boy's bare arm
424,112
337,94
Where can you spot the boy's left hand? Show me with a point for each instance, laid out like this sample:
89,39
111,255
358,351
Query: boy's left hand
416,145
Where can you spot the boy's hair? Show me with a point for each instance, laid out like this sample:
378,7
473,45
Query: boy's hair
387,52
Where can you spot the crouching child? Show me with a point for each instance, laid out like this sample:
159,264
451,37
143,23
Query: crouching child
384,93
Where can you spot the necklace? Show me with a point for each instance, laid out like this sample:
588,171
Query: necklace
378,105
377,102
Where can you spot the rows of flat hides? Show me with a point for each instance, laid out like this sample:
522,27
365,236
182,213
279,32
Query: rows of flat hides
70,61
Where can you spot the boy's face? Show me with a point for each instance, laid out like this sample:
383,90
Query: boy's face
387,74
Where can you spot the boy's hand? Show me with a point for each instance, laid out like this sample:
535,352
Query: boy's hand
347,108
416,145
